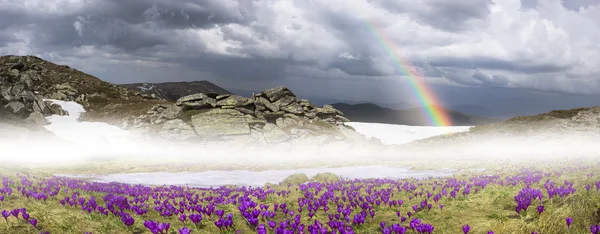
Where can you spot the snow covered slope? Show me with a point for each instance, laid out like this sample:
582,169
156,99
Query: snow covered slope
401,134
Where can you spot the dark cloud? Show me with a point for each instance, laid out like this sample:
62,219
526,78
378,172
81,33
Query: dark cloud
443,14
528,67
496,80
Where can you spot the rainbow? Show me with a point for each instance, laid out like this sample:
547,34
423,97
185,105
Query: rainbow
426,97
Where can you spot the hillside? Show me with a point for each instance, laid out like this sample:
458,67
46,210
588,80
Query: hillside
272,117
556,124
174,90
372,113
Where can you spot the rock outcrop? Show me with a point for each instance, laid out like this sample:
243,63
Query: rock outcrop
19,98
273,117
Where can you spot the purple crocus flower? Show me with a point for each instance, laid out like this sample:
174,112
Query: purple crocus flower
569,221
1,198
261,229
595,229
33,222
5,214
540,209
466,229
184,230
490,232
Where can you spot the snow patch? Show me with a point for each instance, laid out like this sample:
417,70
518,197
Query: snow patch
393,134
259,178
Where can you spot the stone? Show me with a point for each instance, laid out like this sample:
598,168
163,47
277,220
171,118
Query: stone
219,122
177,129
294,108
285,101
273,115
5,92
221,97
37,118
268,105
234,101
41,107
277,93
192,97
26,79
59,96
56,109
172,112
273,134
16,107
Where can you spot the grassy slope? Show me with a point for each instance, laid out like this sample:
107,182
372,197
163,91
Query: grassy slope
490,209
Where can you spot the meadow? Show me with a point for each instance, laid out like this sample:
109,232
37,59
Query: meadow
552,197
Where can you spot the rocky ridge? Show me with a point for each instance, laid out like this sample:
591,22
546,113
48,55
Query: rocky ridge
272,117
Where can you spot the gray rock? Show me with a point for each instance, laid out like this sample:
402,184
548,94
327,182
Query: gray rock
294,108
37,118
235,101
192,98
59,96
172,112
219,122
5,92
16,107
25,78
273,134
40,106
177,129
285,101
277,93
286,123
268,105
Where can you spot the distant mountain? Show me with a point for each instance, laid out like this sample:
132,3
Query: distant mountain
474,110
174,90
372,113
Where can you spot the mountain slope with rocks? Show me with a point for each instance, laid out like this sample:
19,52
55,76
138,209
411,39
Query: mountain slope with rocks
174,90
273,117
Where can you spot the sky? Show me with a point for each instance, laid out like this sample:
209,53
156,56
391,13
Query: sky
511,57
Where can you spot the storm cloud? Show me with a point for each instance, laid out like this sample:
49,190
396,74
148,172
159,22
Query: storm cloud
544,45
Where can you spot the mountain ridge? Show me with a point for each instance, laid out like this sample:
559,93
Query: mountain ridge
373,113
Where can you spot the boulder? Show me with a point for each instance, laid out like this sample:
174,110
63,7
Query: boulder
277,93
192,98
219,122
273,134
260,101
293,108
172,112
16,107
234,101
177,129
56,109
37,118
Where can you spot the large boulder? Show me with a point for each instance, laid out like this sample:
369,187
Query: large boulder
276,94
220,122
177,129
